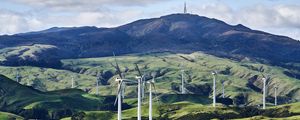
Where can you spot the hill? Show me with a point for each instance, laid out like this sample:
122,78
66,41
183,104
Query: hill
180,33
188,110
30,103
9,116
243,79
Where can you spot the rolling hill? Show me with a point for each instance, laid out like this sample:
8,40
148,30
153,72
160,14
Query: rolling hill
243,78
31,103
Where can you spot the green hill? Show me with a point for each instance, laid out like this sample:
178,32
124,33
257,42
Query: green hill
188,110
55,98
243,78
27,101
9,116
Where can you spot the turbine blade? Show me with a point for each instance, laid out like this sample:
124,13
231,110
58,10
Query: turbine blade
138,69
123,90
263,75
118,92
152,84
117,67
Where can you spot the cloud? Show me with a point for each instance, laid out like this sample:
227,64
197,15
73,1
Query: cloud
278,19
12,22
83,5
95,18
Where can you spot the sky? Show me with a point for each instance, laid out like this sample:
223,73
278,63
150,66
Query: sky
281,17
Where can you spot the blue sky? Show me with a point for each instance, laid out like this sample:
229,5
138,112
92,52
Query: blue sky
275,16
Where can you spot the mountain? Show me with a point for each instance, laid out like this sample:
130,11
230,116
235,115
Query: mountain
180,33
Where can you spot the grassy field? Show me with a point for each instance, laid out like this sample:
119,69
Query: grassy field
9,116
242,83
27,101
198,67
188,110
238,75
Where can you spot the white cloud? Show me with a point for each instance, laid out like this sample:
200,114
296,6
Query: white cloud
83,5
11,22
279,19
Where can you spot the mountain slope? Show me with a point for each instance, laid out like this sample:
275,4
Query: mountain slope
25,101
184,33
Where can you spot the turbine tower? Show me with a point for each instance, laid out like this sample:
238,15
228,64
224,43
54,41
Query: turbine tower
139,110
151,85
264,92
72,80
119,97
120,94
150,98
139,80
214,73
97,86
223,88
182,82
275,95
18,76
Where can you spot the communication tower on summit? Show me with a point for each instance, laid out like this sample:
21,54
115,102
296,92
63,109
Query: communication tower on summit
185,9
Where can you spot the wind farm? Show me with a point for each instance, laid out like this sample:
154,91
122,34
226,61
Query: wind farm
179,66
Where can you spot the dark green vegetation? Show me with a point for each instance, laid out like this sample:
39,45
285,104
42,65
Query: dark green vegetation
243,86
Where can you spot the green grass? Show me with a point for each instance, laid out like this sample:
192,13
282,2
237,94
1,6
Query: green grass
197,72
189,110
197,65
9,116
56,83
18,97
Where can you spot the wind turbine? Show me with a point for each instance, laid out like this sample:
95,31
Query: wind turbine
182,82
139,78
72,80
18,76
275,94
120,81
120,94
223,88
151,84
214,73
97,85
264,90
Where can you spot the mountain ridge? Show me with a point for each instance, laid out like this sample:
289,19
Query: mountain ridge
183,33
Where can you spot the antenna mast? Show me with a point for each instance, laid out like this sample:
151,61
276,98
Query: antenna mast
185,9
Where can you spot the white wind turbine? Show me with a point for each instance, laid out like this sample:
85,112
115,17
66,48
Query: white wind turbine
223,88
120,90
97,85
18,76
214,73
72,82
182,83
264,90
151,84
120,94
275,94
140,82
